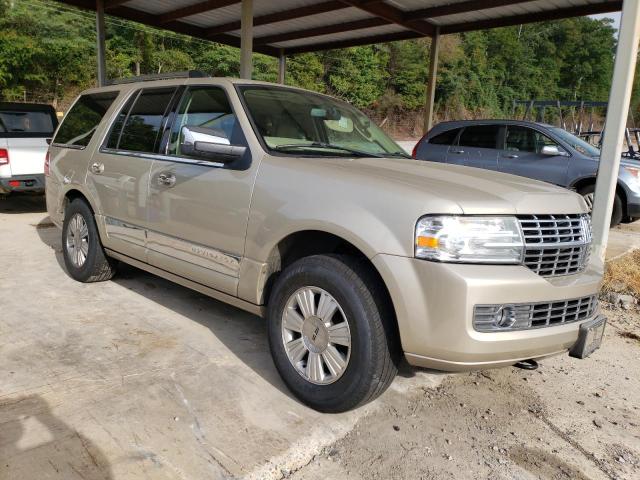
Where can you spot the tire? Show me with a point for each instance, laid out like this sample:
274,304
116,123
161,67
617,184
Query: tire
86,263
617,213
371,356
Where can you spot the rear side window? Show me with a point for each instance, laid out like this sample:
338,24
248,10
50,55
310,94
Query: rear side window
84,117
141,130
445,138
479,136
19,122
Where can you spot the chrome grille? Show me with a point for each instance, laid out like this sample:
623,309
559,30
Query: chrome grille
556,245
491,318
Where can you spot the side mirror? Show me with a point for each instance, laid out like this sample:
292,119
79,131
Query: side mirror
553,151
209,144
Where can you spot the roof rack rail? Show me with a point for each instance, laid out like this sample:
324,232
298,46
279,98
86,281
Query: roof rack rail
159,76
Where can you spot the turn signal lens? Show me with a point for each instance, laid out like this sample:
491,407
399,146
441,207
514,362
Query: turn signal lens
4,156
427,242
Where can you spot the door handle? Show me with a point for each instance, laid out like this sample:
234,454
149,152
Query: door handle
166,179
97,168
512,155
458,152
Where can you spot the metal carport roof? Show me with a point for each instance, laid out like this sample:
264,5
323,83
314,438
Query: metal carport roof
295,26
286,27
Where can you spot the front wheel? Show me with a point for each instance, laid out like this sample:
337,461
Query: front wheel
84,256
331,333
588,193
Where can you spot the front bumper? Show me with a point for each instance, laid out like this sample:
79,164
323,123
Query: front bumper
22,183
434,305
633,210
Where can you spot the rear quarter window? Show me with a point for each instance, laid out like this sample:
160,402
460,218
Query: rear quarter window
81,121
445,138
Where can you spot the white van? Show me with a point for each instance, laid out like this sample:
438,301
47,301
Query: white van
24,131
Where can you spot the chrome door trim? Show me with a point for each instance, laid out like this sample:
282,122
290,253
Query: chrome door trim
125,231
188,252
162,158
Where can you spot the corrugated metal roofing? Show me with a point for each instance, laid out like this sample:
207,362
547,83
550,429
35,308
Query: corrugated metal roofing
293,26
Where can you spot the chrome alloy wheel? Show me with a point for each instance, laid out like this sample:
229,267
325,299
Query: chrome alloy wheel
77,240
316,335
588,198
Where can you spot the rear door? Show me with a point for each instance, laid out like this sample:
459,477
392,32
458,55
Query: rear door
119,171
522,155
23,132
476,147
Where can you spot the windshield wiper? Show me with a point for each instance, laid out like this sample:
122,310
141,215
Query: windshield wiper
398,155
322,145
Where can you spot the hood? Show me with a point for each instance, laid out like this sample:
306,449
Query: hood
473,190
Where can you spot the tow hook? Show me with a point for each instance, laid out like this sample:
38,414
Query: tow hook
527,365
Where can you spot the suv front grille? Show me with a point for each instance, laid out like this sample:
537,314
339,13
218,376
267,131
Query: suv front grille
556,245
523,316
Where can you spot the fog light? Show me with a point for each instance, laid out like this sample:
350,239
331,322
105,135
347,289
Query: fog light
506,317
494,318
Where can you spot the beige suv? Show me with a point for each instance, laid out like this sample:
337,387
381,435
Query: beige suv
296,207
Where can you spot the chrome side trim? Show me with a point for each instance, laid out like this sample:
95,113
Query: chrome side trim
196,254
162,158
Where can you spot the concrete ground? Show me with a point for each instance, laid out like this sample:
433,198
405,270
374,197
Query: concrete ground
138,377
141,378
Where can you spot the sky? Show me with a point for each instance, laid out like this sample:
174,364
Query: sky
615,16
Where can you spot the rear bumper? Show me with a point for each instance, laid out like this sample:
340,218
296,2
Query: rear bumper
22,183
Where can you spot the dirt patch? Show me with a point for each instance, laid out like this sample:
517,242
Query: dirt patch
570,419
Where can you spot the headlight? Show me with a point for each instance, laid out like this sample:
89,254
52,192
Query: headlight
470,239
635,172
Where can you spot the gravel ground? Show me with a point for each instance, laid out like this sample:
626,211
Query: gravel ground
570,419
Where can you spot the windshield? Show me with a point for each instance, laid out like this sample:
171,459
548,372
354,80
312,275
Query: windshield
577,143
304,123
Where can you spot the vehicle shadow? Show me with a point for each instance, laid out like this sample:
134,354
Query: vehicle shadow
34,443
51,236
22,203
244,334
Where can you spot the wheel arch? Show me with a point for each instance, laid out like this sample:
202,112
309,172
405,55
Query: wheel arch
620,190
71,194
304,243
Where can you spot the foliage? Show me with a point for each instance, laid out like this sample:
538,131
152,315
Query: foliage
47,51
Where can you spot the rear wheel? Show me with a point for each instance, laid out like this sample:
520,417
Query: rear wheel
588,193
330,333
84,256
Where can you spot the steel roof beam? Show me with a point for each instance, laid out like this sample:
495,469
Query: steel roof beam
282,16
194,9
393,15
